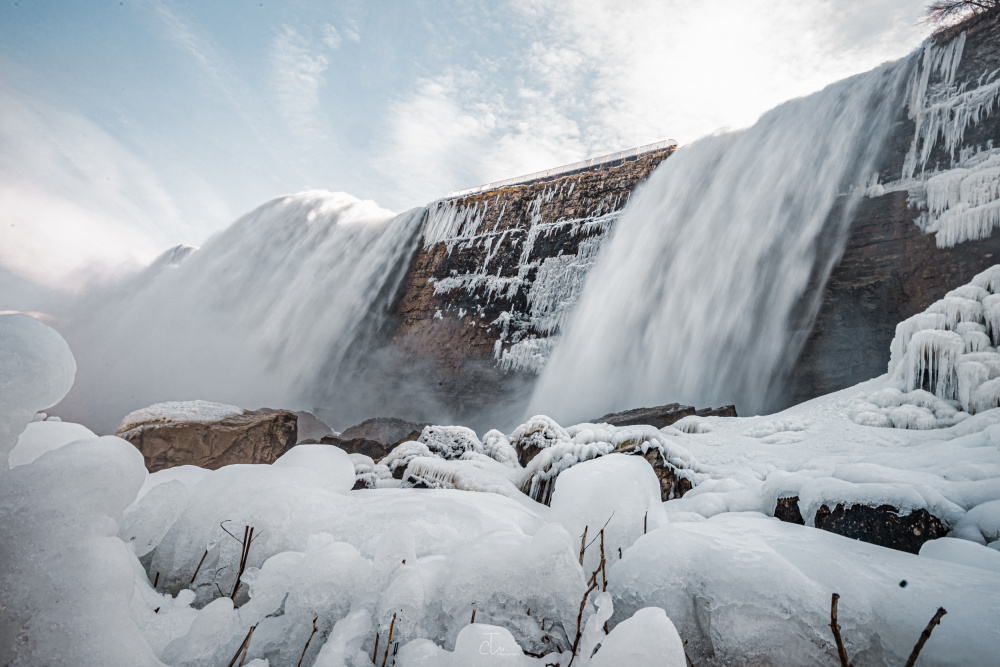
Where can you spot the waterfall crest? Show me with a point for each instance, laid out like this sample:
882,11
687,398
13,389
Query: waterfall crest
694,297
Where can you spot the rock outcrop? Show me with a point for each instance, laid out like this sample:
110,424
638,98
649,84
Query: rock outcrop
883,525
663,415
208,435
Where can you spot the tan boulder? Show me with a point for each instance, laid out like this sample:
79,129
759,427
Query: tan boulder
208,435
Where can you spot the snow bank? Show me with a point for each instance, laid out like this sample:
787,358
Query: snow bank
746,590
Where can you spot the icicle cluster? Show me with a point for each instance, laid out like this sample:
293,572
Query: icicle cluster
963,203
950,350
551,285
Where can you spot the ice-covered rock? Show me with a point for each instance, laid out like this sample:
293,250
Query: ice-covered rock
617,493
209,435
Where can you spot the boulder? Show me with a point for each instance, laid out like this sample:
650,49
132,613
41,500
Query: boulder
208,435
662,415
372,448
311,428
672,485
387,430
882,525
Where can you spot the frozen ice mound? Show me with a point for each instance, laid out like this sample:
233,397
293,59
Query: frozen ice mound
746,590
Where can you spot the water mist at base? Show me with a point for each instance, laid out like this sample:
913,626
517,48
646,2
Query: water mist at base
274,311
694,297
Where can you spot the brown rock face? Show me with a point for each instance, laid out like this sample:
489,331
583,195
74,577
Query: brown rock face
251,437
672,485
881,525
467,296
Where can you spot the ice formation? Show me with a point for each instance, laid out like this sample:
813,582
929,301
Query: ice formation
948,350
717,264
552,286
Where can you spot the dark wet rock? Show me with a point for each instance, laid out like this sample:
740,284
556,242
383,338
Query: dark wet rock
672,485
882,525
387,430
373,448
662,415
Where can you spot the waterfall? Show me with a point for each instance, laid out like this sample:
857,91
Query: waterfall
274,311
695,296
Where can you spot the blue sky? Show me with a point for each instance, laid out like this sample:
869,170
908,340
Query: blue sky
129,126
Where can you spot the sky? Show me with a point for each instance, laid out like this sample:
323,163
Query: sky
130,126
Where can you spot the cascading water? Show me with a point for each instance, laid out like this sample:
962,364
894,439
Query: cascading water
273,311
694,297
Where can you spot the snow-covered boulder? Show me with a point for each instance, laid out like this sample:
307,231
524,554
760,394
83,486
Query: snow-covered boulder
208,435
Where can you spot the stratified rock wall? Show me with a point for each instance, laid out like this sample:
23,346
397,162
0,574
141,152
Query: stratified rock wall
499,271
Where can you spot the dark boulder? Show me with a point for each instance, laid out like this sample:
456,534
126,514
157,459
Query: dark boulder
882,525
662,415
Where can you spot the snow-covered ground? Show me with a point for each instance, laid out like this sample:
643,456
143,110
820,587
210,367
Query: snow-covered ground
106,564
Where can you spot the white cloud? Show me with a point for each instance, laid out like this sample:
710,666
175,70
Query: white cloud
72,197
331,37
298,76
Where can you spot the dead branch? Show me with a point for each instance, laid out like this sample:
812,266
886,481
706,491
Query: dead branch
645,521
385,656
198,569
841,651
244,647
591,585
924,636
156,580
583,544
579,618
375,652
306,647
473,615
244,555
602,530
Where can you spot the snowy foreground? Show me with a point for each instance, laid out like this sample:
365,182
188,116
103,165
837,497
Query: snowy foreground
102,563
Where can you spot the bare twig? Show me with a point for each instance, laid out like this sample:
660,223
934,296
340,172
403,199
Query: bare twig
604,574
244,555
156,580
385,656
244,647
841,651
198,569
583,543
473,615
924,636
375,652
306,647
602,530
645,521
579,618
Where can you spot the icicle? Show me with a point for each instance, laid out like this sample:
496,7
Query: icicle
991,317
905,331
971,374
932,357
956,309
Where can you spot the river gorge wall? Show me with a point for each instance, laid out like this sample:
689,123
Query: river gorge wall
490,288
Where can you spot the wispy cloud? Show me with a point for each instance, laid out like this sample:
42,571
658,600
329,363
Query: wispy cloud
74,197
298,69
